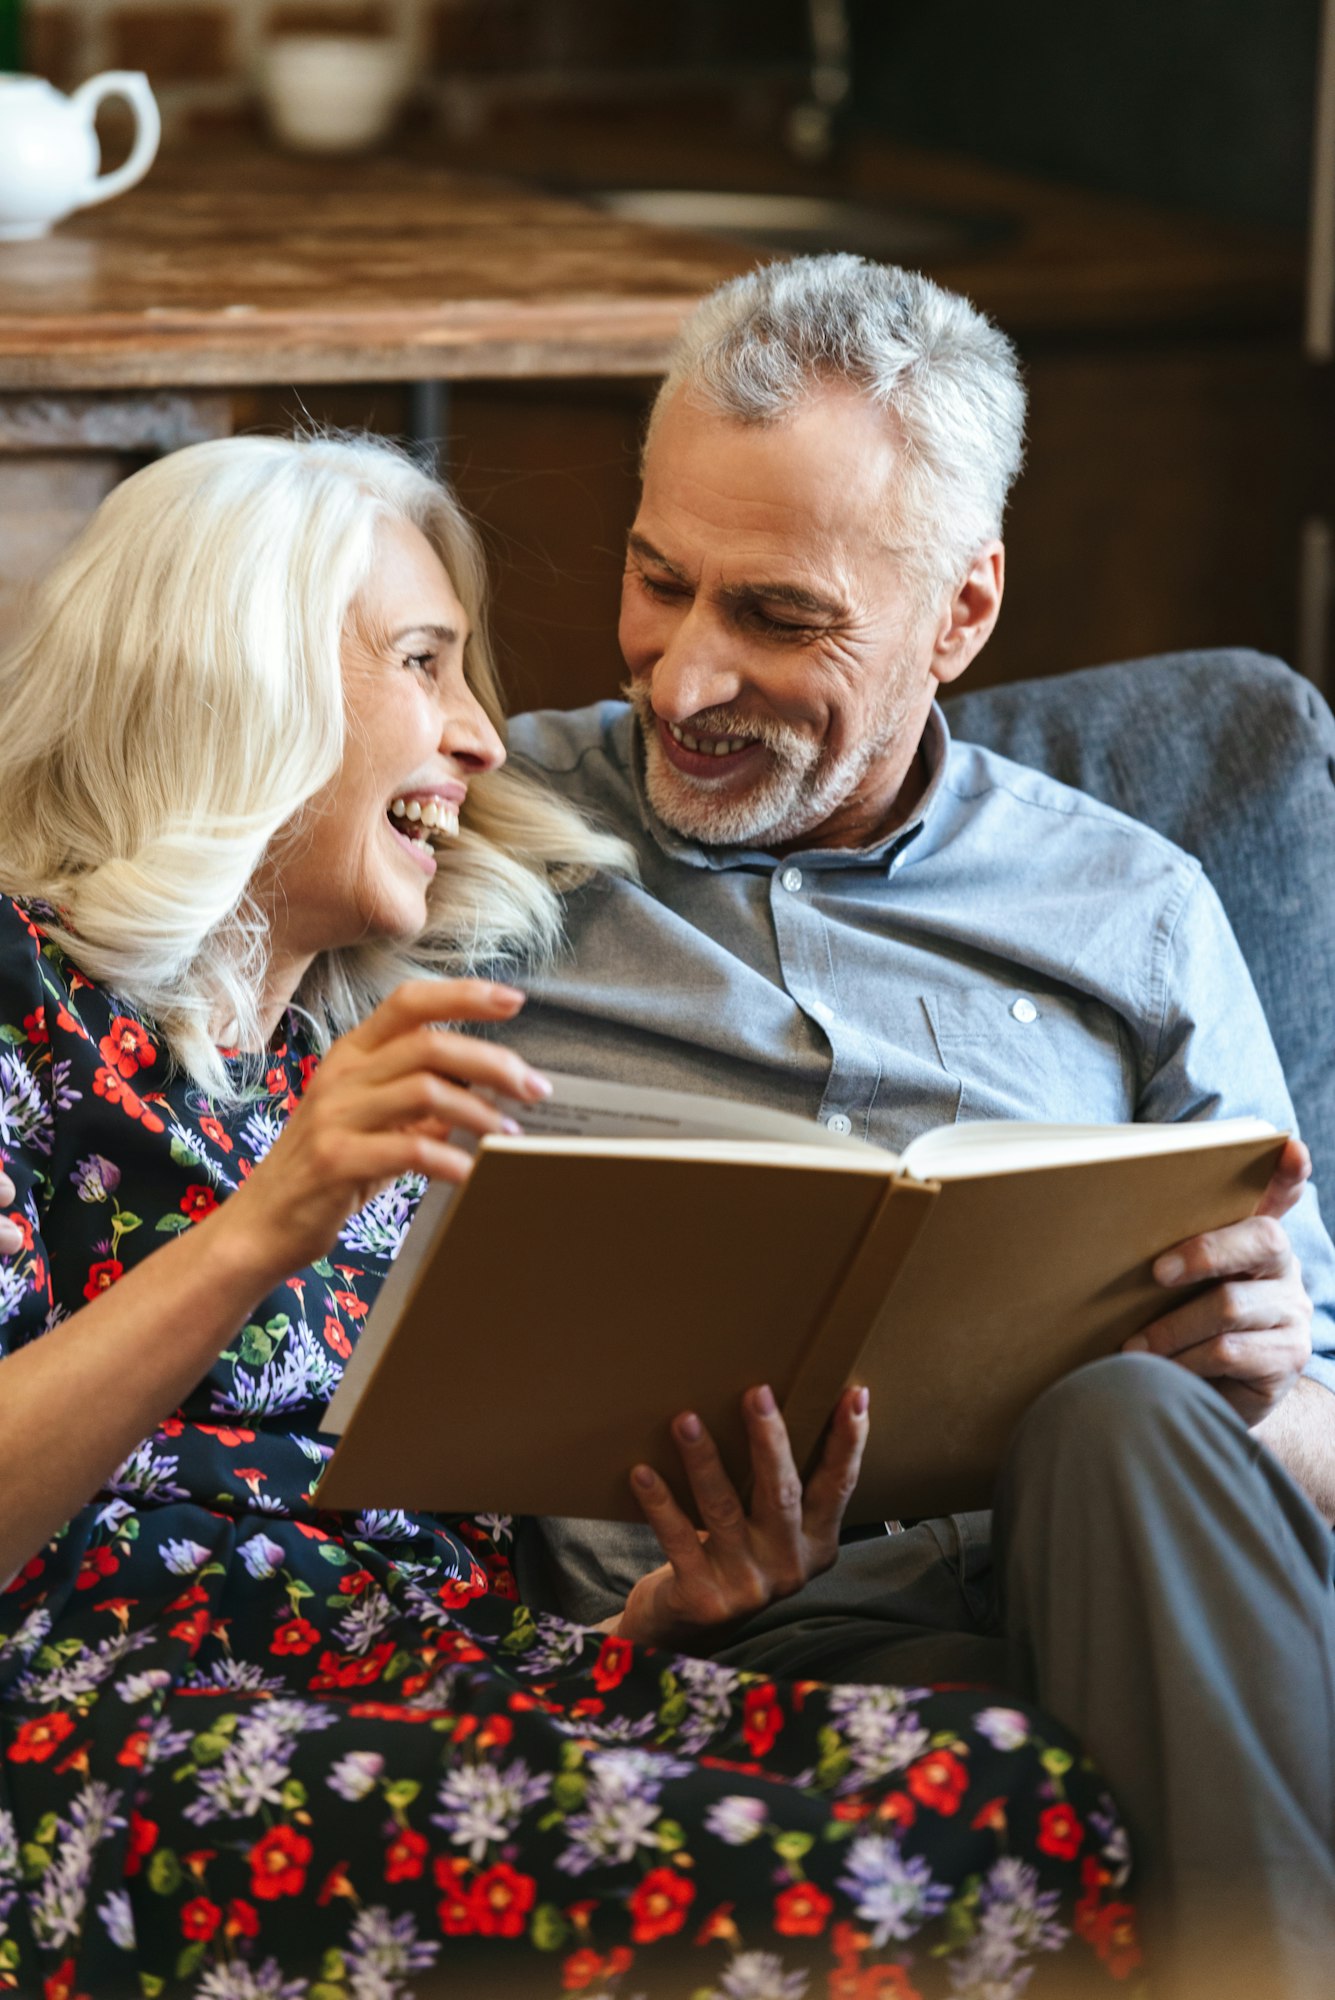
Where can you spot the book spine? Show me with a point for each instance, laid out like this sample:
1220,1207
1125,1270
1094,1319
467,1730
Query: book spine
832,1354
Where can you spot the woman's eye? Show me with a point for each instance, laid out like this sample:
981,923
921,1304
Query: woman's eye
423,663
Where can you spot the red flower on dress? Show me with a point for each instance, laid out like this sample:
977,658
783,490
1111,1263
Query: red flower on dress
406,1857
278,1864
802,1910
126,1048
762,1719
658,1905
142,1840
227,1434
501,1900
354,1581
197,1202
1112,1932
32,1568
24,1227
106,1083
60,1984
214,1132
243,1919
455,1908
39,1737
200,1918
96,1564
295,1635
353,1669
584,1966
938,1780
1059,1832
354,1307
336,1338
101,1277
898,1808
612,1664
131,1752
459,1590
34,1025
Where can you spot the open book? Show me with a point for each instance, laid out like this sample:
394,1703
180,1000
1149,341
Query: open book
641,1252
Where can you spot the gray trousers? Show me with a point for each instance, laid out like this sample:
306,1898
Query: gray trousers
1153,1578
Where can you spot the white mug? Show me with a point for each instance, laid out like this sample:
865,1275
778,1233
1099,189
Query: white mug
332,93
49,155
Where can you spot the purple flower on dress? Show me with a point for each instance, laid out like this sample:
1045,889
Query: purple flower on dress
96,1179
1004,1728
894,1896
736,1819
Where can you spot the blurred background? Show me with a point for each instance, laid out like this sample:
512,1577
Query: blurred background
1127,191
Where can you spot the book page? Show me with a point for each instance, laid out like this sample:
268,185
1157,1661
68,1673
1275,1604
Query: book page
1009,1146
578,1108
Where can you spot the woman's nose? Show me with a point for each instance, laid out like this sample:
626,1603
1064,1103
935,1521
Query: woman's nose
470,737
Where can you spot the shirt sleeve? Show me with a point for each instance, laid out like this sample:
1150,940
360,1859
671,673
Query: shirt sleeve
27,1125
1215,1059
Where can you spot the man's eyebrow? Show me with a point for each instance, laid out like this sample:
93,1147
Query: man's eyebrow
793,595
646,551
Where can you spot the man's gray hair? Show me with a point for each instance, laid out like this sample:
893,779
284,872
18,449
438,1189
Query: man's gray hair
758,346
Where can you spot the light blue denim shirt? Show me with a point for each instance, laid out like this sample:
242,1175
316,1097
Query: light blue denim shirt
1016,950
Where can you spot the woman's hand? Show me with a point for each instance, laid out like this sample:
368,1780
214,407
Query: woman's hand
741,1562
12,1239
383,1102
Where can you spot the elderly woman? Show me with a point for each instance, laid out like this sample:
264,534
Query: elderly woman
255,812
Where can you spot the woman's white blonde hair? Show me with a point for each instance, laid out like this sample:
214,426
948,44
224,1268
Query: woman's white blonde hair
175,698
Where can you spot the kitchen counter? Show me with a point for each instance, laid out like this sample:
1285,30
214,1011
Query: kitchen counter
234,265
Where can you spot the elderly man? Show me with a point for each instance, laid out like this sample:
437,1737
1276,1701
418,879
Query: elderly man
842,914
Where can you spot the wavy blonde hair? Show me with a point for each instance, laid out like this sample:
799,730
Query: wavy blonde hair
176,698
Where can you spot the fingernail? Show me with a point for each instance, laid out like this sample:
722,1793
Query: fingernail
1136,1345
861,1402
11,1239
513,1127
689,1427
642,1477
764,1399
1168,1270
511,993
538,1086
7,1188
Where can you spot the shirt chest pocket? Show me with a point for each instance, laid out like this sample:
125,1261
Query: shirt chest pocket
1033,1054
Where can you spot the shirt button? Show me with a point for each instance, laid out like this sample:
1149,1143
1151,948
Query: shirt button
791,878
840,1124
1024,1010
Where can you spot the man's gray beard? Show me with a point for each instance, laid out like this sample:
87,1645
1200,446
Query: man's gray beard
790,801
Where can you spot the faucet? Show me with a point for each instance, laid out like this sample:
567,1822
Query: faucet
809,126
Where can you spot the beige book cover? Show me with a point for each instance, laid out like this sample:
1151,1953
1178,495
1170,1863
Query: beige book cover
545,1322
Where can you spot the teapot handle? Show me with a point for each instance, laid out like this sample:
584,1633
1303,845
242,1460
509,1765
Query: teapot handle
132,85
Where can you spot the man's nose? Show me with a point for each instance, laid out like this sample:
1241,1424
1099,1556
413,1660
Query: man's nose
696,670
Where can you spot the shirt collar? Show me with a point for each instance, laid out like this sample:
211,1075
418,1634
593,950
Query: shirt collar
935,747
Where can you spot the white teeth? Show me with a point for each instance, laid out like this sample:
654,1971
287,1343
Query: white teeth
422,821
716,746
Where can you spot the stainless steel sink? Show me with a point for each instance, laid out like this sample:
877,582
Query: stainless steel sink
808,222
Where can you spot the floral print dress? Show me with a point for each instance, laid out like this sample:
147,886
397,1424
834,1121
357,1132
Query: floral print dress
250,1750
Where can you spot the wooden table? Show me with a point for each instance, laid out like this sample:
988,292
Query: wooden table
232,266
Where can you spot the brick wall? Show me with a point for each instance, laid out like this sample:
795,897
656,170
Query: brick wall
467,54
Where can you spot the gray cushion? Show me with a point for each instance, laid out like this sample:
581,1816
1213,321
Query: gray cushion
1231,755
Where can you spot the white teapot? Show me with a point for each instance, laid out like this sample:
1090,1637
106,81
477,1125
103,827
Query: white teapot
49,155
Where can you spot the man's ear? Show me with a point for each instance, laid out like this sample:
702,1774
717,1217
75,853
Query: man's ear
966,621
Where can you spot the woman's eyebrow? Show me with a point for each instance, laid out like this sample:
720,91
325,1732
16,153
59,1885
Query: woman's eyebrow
446,634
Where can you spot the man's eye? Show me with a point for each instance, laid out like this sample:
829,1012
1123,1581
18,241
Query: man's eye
781,628
660,587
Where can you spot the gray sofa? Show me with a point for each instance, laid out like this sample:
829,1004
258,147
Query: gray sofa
1231,755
